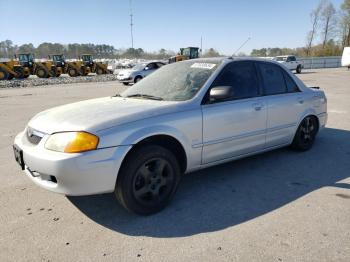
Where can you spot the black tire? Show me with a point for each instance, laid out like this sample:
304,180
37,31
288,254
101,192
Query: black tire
4,75
19,72
72,72
99,71
42,73
298,70
25,76
306,133
148,179
138,78
126,84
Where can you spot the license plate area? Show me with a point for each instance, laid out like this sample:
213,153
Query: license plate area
18,156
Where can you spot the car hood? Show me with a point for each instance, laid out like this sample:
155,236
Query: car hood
98,114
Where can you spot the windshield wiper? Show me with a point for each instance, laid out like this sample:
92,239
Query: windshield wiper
146,96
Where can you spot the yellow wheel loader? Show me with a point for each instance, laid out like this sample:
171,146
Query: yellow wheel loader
12,69
95,67
185,54
40,69
73,69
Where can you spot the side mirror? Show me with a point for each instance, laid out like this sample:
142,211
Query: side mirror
146,68
220,93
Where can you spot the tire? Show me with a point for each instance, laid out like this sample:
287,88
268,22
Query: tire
306,134
99,71
57,75
143,188
137,79
126,84
42,73
72,72
298,70
4,75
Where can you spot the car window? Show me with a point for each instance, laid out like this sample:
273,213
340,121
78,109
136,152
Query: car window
151,66
292,58
160,65
272,78
292,87
242,77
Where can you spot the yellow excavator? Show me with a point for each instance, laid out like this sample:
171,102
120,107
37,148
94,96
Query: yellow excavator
95,67
185,54
72,68
40,69
13,69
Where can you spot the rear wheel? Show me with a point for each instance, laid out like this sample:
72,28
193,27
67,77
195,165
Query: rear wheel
306,134
42,73
3,74
148,179
99,71
298,70
72,72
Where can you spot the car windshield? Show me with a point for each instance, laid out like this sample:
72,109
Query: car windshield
175,82
139,67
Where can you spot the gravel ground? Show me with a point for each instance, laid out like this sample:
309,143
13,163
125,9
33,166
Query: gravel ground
63,79
278,206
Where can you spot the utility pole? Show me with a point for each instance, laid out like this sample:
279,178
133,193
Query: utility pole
131,25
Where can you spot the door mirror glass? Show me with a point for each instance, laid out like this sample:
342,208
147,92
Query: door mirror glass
220,93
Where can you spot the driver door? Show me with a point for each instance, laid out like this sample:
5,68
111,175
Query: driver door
238,126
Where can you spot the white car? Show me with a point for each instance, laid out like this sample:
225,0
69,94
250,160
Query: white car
184,117
290,62
138,72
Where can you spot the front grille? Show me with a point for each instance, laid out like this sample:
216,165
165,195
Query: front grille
33,136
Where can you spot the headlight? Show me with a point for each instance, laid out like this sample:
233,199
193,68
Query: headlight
72,142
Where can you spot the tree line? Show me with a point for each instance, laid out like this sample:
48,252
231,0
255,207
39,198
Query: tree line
328,35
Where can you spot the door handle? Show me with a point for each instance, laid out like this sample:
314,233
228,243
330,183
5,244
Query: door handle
300,100
257,106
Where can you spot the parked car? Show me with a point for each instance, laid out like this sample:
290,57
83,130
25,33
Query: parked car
138,72
345,60
290,62
184,117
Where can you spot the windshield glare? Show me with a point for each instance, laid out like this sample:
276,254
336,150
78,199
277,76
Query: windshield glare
139,67
175,82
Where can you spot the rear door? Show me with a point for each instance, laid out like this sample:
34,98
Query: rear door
235,127
285,104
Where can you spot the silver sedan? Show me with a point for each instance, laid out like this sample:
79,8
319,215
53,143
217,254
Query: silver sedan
184,117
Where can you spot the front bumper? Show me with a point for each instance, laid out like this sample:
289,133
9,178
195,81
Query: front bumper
86,173
124,79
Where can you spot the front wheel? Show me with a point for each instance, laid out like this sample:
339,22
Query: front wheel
137,79
306,134
125,83
148,179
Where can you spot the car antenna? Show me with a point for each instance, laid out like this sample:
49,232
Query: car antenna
245,42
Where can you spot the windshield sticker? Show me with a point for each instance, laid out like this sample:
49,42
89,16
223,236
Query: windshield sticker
203,65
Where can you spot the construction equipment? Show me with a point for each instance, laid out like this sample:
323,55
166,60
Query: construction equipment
72,68
40,69
185,54
95,67
12,69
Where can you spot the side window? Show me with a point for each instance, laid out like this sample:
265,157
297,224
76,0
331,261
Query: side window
159,65
273,79
292,58
291,85
242,77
